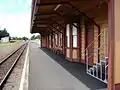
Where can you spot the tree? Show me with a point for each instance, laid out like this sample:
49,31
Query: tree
4,33
38,37
33,37
13,38
24,38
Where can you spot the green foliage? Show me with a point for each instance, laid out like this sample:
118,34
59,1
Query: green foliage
24,38
35,37
38,37
19,38
14,38
4,33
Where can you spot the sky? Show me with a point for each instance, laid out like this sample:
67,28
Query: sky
15,16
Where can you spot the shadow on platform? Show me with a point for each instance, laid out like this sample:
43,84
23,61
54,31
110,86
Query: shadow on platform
77,70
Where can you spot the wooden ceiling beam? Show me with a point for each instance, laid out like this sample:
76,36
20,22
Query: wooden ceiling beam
83,14
43,23
43,14
51,3
52,30
63,2
44,30
46,20
59,14
56,29
42,19
39,21
50,22
56,3
58,24
63,18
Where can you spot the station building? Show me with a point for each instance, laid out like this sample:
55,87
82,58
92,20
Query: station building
83,31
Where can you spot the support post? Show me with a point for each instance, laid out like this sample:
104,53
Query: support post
71,43
89,39
79,40
64,42
114,45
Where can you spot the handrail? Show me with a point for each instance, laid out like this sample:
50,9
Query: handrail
98,48
95,52
93,41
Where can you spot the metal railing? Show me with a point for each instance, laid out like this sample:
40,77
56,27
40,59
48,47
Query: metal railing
99,69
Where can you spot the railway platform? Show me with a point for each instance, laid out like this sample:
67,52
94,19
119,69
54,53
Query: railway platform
49,71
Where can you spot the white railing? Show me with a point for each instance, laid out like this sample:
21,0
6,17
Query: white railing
99,69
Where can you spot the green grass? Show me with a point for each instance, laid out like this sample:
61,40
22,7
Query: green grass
8,47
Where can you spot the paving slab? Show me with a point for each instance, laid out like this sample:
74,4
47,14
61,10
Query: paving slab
46,74
78,70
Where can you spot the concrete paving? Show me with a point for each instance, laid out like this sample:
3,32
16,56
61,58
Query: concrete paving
46,74
78,70
50,72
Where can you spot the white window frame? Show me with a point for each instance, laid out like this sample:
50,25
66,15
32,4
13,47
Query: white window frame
68,34
74,35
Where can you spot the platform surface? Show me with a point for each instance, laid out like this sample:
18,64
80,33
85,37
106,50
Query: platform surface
47,74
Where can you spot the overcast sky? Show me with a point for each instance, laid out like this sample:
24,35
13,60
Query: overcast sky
15,17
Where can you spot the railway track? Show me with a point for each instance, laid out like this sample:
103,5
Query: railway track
8,63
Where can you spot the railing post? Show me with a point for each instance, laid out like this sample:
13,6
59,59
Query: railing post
106,73
87,60
105,43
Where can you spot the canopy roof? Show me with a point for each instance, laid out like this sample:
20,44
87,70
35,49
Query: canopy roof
46,14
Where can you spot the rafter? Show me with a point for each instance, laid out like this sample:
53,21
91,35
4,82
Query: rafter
51,3
43,14
57,29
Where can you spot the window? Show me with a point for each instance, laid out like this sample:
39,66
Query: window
53,41
50,41
74,33
68,35
61,39
56,39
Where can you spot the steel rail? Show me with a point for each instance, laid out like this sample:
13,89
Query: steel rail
4,59
13,64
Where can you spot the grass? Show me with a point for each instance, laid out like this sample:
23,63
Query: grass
6,48
6,45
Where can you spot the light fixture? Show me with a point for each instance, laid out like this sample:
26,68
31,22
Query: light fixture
58,6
